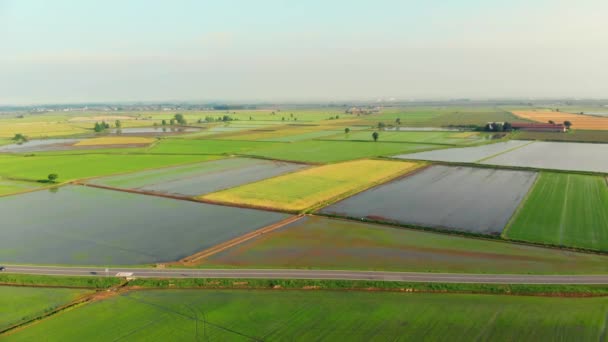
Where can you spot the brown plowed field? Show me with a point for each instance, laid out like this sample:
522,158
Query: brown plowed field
578,121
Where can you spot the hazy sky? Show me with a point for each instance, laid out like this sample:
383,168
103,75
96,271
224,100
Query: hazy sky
127,50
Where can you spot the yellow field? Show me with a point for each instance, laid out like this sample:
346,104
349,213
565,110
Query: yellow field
38,129
115,141
308,188
578,121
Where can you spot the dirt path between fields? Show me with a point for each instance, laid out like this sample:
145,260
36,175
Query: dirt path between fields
193,259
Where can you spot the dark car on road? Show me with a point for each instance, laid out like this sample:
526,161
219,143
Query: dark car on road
2,268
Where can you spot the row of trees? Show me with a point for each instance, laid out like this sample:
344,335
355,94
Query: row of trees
507,127
102,126
567,123
498,127
178,119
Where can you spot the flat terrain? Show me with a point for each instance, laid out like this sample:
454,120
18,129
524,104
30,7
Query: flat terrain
563,209
453,198
101,141
8,186
556,155
448,138
20,304
86,226
572,136
335,151
310,187
201,178
194,146
38,145
324,243
8,129
77,166
442,116
466,154
578,121
308,315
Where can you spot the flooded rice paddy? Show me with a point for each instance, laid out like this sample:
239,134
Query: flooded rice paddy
453,198
79,225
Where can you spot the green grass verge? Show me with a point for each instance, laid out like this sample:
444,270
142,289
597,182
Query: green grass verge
58,281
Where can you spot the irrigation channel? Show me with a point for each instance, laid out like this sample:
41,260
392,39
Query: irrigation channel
311,274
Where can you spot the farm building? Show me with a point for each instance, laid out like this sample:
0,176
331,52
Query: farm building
539,127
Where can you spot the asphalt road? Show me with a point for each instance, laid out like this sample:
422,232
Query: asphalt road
310,274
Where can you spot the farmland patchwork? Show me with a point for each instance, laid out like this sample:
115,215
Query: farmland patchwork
307,188
201,178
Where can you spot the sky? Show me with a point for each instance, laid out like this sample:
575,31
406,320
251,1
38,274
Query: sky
64,51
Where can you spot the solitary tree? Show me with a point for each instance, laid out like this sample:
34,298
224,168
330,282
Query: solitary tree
552,122
375,135
98,127
381,125
567,124
52,177
19,137
180,119
117,124
164,122
347,130
398,121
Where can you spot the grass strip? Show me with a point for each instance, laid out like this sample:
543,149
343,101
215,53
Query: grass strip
365,285
58,281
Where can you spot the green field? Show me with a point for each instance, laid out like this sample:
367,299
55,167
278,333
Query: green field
442,116
192,146
20,304
313,315
317,242
449,138
573,135
566,210
71,167
335,151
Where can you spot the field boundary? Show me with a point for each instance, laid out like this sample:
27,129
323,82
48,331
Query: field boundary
193,259
82,300
421,167
315,207
501,167
170,196
505,151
